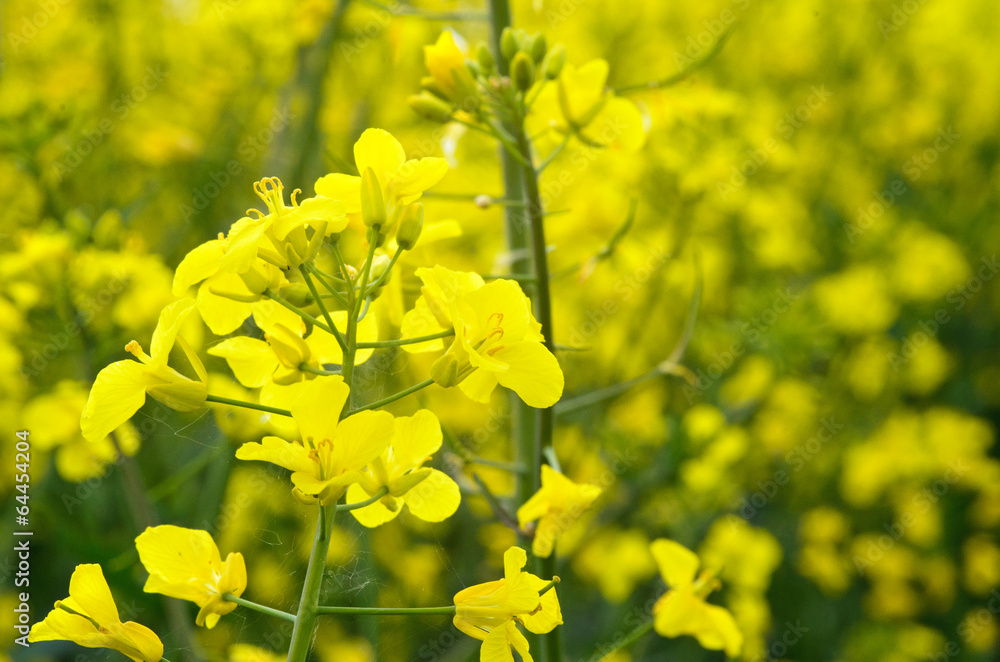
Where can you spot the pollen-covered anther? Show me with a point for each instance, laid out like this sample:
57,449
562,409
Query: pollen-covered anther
134,349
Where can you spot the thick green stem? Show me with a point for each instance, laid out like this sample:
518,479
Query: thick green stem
305,617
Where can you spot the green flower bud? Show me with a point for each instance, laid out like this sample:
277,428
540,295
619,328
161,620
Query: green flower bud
485,59
554,62
77,224
431,107
108,229
522,72
538,48
410,226
372,203
508,44
375,237
297,294
379,266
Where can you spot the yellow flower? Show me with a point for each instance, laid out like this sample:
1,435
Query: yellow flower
276,360
280,237
497,341
432,312
683,610
121,388
331,453
579,103
185,564
557,506
90,618
401,181
489,611
446,64
430,494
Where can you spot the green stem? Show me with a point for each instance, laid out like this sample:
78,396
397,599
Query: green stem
389,611
322,307
361,504
630,639
405,341
317,371
378,281
246,405
683,73
391,398
277,613
305,617
303,314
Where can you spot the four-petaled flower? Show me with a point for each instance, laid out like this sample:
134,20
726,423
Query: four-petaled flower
332,452
489,612
430,494
683,610
90,618
557,506
121,388
185,564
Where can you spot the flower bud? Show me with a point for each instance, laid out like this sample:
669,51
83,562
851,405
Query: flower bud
290,349
485,59
180,395
379,266
431,86
400,486
508,44
259,278
538,48
410,226
372,203
430,107
522,72
554,62
297,294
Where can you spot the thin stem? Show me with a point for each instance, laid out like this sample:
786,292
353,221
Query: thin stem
630,639
548,587
405,341
305,617
303,314
512,467
378,281
392,398
389,611
246,405
277,613
322,307
498,508
317,371
683,73
361,504
552,155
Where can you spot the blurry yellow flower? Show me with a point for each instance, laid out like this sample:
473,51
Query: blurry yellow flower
430,494
446,64
90,618
280,237
683,610
497,341
489,611
120,389
557,506
332,452
401,181
579,103
250,653
185,564
432,312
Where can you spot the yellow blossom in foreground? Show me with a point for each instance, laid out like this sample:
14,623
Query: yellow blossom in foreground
332,452
401,181
430,494
185,564
683,610
489,612
120,389
556,506
90,618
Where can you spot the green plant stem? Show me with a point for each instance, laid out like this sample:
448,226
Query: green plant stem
405,341
388,270
391,398
305,617
277,613
388,611
322,307
361,504
246,405
630,639
317,371
303,314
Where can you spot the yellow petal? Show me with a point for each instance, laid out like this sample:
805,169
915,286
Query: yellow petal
222,314
618,123
416,176
677,563
371,516
171,319
90,591
550,615
361,438
293,457
244,237
435,498
251,360
378,150
118,392
496,646
180,561
317,406
479,385
421,322
533,373
345,188
415,438
202,262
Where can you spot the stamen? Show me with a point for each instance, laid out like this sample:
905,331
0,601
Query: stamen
134,348
493,350
260,215
499,317
294,202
